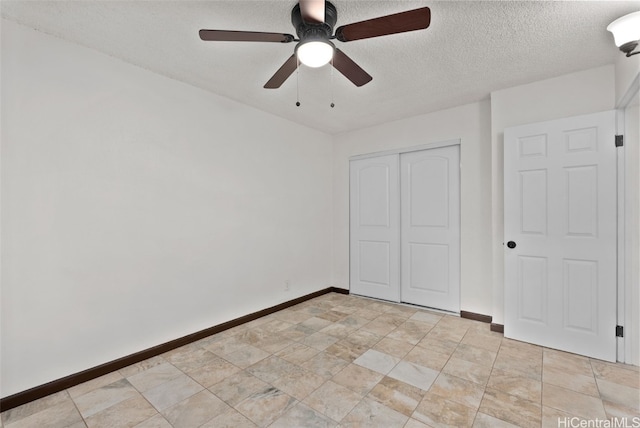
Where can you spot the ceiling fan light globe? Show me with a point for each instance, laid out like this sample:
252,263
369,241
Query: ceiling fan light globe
315,53
625,29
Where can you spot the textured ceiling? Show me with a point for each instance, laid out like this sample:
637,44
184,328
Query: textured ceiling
470,49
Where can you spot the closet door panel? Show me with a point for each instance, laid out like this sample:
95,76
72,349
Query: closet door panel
374,228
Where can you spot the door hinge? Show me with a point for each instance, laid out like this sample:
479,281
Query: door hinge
619,331
619,140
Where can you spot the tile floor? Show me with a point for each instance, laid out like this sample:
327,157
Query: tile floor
347,361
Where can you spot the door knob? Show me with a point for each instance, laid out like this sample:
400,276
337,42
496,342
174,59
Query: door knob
511,244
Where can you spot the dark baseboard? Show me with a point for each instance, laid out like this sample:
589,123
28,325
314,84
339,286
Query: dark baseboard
476,317
57,385
498,328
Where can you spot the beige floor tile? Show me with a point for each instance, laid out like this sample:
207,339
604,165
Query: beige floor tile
277,342
393,347
566,362
353,321
61,414
447,333
397,395
412,423
316,323
483,341
618,411
246,356
294,333
126,413
619,394
302,415
467,370
99,399
264,407
485,421
299,384
379,327
338,330
227,346
357,378
411,332
513,384
319,341
157,421
195,410
554,418
573,381
291,316
458,390
96,383
438,412
297,353
333,400
426,317
393,319
174,391
346,350
617,373
272,368
230,419
33,407
325,365
377,361
213,372
192,360
572,402
367,313
525,365
427,358
371,414
364,338
481,378
510,408
474,354
237,387
154,376
142,366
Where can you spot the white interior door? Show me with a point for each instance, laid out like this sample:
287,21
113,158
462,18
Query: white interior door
430,227
374,228
560,213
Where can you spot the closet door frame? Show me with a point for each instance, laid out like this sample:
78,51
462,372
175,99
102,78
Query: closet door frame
398,152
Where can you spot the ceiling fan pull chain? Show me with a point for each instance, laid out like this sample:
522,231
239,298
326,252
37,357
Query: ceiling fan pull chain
331,83
298,84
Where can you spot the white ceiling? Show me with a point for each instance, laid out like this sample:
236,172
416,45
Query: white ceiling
470,49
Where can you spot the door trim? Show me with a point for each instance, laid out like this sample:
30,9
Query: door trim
455,142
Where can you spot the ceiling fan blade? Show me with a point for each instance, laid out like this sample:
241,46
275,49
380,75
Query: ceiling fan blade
312,11
416,19
283,73
244,36
350,69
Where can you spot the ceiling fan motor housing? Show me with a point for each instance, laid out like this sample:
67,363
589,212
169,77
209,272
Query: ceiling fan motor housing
315,31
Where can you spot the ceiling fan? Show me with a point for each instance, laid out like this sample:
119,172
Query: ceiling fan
314,21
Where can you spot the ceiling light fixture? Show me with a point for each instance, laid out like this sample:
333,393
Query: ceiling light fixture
626,33
315,53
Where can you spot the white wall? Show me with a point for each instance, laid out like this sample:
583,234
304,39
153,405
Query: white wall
469,123
137,209
573,94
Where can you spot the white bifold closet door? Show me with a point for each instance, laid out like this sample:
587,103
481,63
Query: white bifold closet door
374,235
430,228
405,227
